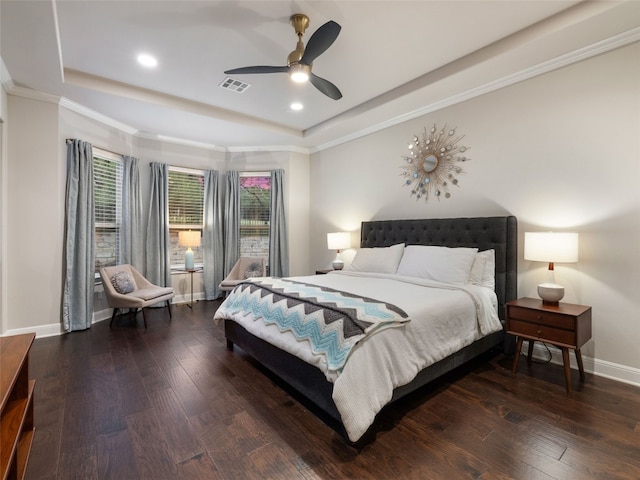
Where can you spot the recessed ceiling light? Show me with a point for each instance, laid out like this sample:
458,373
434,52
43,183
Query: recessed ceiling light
147,60
296,106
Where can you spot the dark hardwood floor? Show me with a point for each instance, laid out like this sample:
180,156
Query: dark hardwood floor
171,402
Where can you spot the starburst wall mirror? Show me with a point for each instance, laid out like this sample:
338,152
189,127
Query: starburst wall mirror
433,163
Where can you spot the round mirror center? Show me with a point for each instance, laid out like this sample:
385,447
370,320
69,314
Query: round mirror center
430,163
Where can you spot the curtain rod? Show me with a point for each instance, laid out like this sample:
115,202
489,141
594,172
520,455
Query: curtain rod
69,140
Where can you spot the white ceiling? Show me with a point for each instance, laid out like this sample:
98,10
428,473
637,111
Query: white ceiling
392,60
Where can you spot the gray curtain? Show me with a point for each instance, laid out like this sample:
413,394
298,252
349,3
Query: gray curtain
212,237
158,268
132,239
278,243
79,249
232,221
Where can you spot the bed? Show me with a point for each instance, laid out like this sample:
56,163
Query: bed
343,400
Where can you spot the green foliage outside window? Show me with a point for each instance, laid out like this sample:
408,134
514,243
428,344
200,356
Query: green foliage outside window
255,200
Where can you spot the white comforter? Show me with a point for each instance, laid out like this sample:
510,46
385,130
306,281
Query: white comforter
444,319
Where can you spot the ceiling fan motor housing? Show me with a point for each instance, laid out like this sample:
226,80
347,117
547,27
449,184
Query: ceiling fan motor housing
300,23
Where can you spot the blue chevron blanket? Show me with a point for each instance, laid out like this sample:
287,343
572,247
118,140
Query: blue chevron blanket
332,321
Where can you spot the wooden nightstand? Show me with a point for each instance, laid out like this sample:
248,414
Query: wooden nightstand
565,325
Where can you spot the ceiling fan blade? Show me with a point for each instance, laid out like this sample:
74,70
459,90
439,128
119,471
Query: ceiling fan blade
325,86
256,69
321,39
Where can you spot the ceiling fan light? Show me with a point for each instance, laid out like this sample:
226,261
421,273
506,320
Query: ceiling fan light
299,77
299,73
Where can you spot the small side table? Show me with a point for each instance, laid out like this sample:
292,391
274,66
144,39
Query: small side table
323,272
566,325
191,271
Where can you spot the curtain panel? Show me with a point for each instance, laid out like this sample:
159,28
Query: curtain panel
232,221
132,239
158,268
278,242
79,244
212,237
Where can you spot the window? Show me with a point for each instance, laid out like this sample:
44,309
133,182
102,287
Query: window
186,203
255,201
107,197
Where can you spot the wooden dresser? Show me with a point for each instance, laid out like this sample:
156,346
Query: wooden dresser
16,409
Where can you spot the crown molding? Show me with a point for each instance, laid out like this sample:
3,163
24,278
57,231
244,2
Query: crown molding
97,116
110,122
5,77
612,43
33,94
180,141
270,148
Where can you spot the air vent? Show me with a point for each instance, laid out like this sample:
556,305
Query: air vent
234,85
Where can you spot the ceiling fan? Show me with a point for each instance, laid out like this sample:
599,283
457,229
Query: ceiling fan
299,62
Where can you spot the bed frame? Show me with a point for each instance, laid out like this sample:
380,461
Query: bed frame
498,233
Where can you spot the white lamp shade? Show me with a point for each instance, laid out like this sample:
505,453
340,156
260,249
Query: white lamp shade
189,238
338,240
552,247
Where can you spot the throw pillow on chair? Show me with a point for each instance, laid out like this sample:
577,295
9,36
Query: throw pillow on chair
123,282
253,270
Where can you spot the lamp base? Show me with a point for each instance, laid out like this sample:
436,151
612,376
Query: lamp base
188,259
550,293
337,264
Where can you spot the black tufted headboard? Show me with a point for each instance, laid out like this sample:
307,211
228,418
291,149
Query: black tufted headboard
484,233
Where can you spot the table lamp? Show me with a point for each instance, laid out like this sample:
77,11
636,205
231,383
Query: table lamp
338,241
188,238
553,248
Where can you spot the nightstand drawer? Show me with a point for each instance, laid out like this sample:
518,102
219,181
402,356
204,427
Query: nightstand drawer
543,318
543,332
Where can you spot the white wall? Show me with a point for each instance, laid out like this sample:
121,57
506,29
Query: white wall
4,155
36,177
560,151
34,221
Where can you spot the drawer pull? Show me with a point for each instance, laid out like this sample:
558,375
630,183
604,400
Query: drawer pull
539,332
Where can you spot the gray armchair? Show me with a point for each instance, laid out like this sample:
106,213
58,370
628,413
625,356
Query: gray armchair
125,287
245,267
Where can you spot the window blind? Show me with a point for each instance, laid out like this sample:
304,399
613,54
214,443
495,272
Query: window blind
186,199
107,184
107,199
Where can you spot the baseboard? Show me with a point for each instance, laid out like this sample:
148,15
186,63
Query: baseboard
180,299
601,368
54,329
41,331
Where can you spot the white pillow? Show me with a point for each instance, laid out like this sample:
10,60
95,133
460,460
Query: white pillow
443,264
377,260
483,270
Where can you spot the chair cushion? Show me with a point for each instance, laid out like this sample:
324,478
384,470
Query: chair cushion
151,293
123,282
